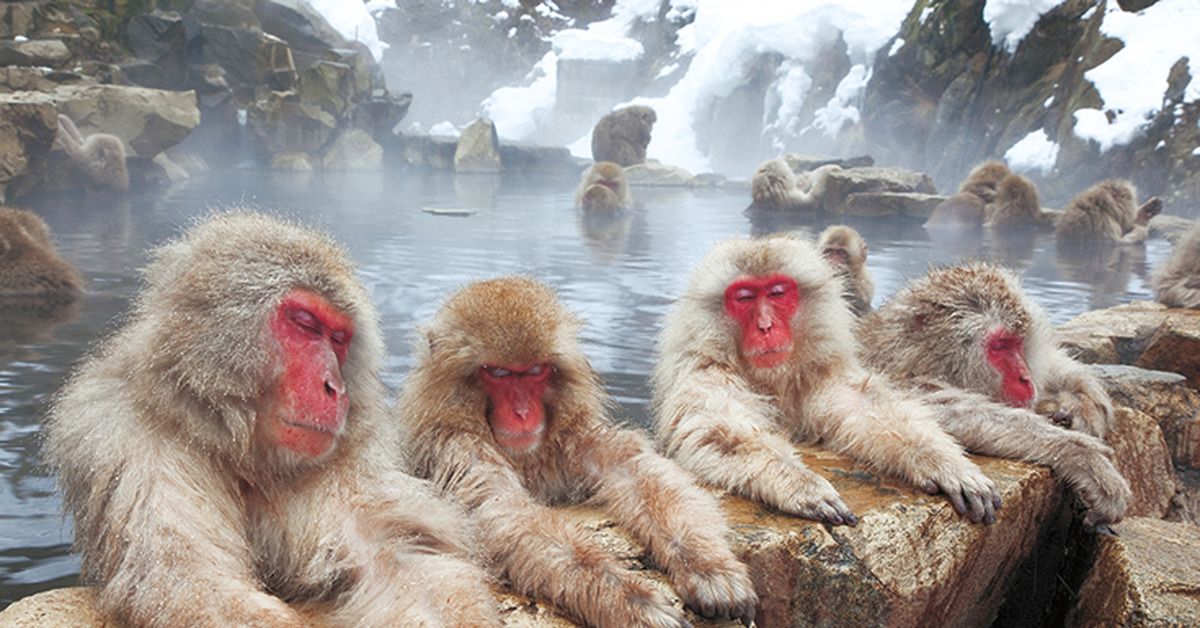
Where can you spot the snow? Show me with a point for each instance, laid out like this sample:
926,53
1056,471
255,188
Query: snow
1035,152
1133,81
725,34
1011,20
353,20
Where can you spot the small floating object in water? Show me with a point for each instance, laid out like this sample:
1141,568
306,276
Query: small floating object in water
442,211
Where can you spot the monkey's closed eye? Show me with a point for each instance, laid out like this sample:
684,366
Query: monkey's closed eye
306,320
496,371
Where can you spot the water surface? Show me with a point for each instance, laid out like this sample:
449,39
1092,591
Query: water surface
620,274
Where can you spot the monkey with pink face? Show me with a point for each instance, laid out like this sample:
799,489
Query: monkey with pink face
986,356
228,458
759,355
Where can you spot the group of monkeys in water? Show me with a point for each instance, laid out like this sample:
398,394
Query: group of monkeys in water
230,457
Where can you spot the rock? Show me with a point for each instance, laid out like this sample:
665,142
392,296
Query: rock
1133,6
1167,398
805,163
478,149
327,85
841,184
434,152
148,121
36,52
1140,454
284,124
353,150
28,124
1185,506
529,158
307,32
911,561
883,204
1147,575
655,174
162,41
294,162
236,50
1144,334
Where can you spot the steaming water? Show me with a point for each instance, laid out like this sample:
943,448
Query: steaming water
620,275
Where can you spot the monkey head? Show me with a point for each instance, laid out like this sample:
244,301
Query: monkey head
763,308
511,350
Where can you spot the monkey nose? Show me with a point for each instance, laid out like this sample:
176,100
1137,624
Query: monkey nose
334,386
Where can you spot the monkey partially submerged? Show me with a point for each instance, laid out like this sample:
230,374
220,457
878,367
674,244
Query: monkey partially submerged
227,454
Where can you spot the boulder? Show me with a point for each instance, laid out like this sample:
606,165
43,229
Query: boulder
478,149
432,152
1141,333
529,158
888,204
28,124
353,150
148,121
1185,506
36,52
1167,398
285,124
1141,455
1146,575
805,163
162,41
910,561
842,184
655,174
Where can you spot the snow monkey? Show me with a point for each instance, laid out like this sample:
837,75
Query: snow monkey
1108,212
775,187
623,135
101,158
759,354
986,354
845,249
1177,282
604,188
228,454
506,415
1016,204
29,264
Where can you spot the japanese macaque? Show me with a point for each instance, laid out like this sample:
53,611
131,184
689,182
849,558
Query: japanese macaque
623,135
604,188
30,267
845,249
101,158
1177,282
505,414
984,181
759,354
774,186
986,355
1016,204
1108,212
958,212
227,454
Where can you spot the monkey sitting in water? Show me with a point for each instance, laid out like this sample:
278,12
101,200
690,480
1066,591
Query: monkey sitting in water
100,158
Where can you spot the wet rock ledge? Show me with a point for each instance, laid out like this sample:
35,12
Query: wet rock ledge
912,561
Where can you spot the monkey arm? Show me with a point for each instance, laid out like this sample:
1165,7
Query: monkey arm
728,436
1081,460
680,523
873,423
1137,234
1082,404
545,554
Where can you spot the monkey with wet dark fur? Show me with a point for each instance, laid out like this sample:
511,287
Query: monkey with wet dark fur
29,264
623,135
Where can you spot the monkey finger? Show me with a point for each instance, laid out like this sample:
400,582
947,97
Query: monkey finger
956,499
746,615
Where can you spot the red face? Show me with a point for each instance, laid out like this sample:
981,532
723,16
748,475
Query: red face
1006,352
763,308
311,407
517,412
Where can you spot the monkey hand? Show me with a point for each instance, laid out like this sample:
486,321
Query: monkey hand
1148,210
817,499
722,589
1084,413
637,603
1083,462
970,491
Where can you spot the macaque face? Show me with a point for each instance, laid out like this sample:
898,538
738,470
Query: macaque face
763,307
837,255
1006,353
310,407
516,412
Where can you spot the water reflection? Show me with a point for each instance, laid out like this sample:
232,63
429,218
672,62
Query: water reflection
619,272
